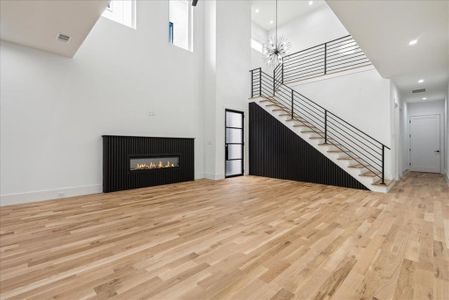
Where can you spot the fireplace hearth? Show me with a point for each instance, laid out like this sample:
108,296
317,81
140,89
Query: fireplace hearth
134,162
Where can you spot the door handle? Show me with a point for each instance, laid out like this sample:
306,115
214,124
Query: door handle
437,151
226,152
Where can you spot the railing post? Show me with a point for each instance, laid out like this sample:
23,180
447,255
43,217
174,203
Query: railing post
260,81
293,95
252,83
282,73
383,164
325,126
325,58
274,82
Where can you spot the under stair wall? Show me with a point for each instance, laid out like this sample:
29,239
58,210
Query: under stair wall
277,152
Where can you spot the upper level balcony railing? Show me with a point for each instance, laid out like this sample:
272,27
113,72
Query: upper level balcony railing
335,56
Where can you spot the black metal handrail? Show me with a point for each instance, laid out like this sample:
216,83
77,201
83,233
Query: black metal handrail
334,56
358,145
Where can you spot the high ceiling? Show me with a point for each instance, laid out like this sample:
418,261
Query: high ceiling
263,12
384,29
38,23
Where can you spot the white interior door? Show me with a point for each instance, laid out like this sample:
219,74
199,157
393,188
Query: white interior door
425,152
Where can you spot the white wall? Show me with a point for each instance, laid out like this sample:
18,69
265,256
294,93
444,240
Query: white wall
431,108
396,148
364,100
229,56
403,138
257,59
54,110
317,27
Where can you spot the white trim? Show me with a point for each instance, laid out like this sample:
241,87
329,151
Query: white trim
27,197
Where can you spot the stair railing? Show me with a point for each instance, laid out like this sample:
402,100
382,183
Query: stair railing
358,145
334,56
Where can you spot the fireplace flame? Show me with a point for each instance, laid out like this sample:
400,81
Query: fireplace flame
152,165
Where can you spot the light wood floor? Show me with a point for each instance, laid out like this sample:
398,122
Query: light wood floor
241,238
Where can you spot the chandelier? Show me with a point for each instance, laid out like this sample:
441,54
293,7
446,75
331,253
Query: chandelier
277,47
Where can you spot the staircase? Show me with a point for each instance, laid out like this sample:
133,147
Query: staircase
357,153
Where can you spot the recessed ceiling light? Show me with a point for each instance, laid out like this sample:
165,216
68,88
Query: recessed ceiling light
310,2
421,81
424,98
271,22
257,10
412,42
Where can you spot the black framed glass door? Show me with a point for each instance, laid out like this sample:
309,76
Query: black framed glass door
233,143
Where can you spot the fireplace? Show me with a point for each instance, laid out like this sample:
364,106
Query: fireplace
146,163
134,162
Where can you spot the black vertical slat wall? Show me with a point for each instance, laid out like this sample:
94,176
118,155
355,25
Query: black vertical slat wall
276,151
117,151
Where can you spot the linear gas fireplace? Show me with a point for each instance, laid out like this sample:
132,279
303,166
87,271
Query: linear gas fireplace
153,163
134,162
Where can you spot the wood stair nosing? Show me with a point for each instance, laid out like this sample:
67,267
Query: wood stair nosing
345,158
368,174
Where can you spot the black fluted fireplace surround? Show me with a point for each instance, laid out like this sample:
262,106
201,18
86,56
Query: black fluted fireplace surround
134,162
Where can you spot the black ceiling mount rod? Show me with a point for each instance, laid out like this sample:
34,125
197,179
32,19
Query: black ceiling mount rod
194,2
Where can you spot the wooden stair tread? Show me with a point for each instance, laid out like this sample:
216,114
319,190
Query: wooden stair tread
368,174
358,166
345,158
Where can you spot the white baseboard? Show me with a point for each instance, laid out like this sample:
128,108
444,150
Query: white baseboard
27,197
213,176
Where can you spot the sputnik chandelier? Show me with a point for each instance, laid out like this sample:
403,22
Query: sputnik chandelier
277,47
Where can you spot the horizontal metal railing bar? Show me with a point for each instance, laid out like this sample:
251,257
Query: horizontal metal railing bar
337,143
334,115
342,42
352,149
305,72
299,64
347,54
315,116
347,48
298,68
330,121
319,59
292,60
354,66
333,125
304,76
344,63
328,42
350,144
298,107
304,53
342,122
348,43
346,60
317,110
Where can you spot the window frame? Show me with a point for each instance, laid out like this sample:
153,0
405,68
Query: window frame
171,33
114,16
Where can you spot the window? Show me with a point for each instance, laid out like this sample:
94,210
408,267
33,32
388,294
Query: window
180,24
122,11
257,46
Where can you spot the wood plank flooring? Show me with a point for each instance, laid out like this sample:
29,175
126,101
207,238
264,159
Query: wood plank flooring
240,238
